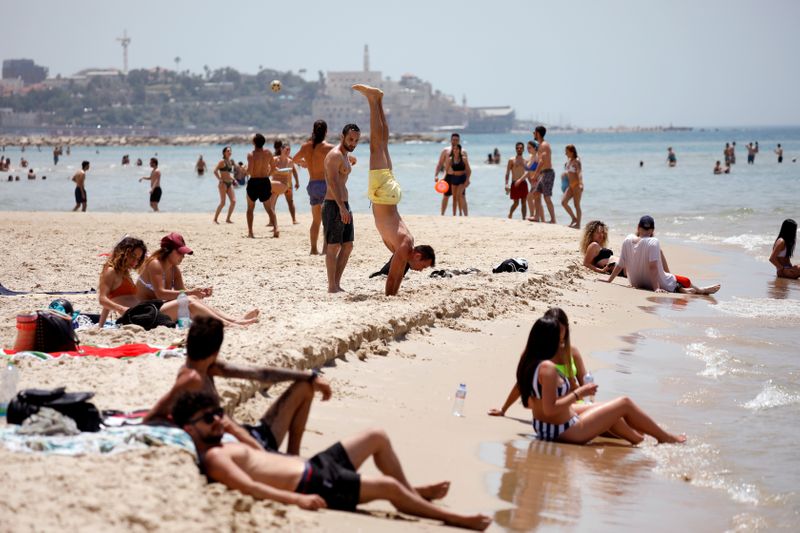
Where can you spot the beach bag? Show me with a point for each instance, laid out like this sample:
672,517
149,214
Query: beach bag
512,265
54,332
146,315
72,404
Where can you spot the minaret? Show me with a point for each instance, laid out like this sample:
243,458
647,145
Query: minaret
125,41
366,58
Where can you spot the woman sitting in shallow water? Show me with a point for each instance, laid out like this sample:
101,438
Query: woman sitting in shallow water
783,249
548,393
160,278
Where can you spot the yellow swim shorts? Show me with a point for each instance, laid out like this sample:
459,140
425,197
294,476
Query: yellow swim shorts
383,188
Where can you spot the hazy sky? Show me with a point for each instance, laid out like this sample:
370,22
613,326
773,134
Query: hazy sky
594,63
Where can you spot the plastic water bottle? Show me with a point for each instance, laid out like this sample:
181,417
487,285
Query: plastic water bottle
183,311
9,379
461,395
587,379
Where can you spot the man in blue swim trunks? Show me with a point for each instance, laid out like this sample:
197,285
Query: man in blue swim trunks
384,192
311,156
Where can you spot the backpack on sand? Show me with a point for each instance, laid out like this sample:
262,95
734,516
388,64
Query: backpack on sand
72,404
54,332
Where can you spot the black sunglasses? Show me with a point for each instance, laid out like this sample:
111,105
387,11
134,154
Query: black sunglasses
208,417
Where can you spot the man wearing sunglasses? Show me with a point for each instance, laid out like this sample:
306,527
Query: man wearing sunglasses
329,479
287,415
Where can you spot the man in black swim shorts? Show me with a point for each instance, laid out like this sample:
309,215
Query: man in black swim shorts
259,187
80,189
329,479
155,183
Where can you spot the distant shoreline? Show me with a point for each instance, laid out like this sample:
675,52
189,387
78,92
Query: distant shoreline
221,139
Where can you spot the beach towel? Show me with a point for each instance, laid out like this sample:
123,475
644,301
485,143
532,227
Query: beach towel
9,292
118,352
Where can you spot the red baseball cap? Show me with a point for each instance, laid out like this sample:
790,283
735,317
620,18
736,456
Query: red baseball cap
174,241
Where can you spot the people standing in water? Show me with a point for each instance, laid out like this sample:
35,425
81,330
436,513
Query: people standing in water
80,187
727,154
160,278
259,186
544,177
752,150
574,370
200,166
779,153
384,192
574,171
311,156
441,167
225,184
283,170
672,159
457,169
783,249
337,219
155,183
733,153
518,189
551,397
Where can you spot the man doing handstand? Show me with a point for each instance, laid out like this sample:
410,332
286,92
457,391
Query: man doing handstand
288,414
384,193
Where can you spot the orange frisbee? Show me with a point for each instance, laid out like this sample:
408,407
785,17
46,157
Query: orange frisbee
442,186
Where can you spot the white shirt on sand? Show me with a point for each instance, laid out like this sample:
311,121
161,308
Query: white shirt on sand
637,253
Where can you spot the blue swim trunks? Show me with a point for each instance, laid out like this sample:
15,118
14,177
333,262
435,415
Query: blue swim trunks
316,191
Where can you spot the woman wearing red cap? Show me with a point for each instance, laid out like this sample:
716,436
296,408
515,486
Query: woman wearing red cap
160,278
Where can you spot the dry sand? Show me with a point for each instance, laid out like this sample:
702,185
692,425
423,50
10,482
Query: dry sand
393,362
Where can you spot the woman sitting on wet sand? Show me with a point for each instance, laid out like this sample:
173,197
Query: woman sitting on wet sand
160,278
596,256
550,396
783,249
574,372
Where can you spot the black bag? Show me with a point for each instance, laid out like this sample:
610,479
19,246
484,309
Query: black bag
54,332
147,315
71,404
511,265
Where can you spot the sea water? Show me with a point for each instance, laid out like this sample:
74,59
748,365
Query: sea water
726,369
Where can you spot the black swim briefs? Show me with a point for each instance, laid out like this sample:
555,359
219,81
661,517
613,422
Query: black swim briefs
263,435
155,195
332,475
336,231
80,195
259,189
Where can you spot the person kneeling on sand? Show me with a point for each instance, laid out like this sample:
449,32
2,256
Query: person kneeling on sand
288,414
646,266
551,398
329,479
384,192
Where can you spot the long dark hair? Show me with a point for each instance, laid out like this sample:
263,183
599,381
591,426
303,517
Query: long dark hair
319,132
460,153
543,341
789,234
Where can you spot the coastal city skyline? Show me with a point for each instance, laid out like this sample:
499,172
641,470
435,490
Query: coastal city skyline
719,64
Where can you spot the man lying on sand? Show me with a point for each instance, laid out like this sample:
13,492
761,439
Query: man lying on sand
329,479
646,266
384,193
288,414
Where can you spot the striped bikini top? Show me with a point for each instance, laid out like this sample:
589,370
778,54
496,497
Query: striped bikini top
562,389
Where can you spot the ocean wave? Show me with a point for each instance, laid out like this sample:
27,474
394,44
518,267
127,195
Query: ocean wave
771,396
750,241
712,333
786,310
718,361
678,221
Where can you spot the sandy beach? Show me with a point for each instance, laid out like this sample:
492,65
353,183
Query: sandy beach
393,363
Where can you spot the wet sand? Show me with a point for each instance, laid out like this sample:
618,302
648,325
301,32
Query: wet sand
393,363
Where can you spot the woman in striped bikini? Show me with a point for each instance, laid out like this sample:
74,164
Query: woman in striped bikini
547,392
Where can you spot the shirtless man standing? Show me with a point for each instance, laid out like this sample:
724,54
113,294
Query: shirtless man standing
259,187
336,215
80,191
311,156
519,187
287,415
384,192
155,183
543,177
441,166
329,479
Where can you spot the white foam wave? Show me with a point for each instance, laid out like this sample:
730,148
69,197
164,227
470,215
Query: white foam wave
718,361
712,333
750,241
679,221
772,396
761,308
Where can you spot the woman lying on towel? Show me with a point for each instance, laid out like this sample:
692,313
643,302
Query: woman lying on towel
117,292
160,278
